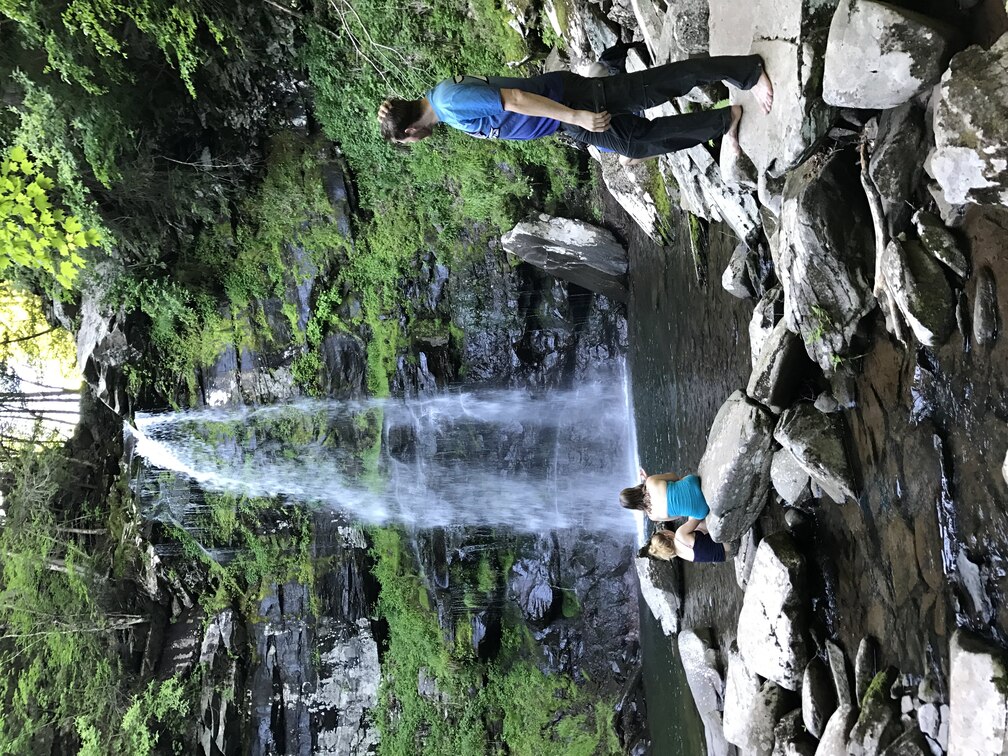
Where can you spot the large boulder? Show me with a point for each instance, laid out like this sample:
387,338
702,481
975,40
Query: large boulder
920,291
880,56
773,623
629,186
970,159
742,688
819,699
815,441
820,258
790,480
791,738
790,35
735,468
781,365
895,166
977,697
878,723
574,251
703,674
941,243
660,586
752,729
985,308
834,738
766,314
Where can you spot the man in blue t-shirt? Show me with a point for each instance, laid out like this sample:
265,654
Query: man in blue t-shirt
601,112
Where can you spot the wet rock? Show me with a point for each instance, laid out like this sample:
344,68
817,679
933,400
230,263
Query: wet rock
700,663
821,260
971,583
910,743
795,520
985,308
742,689
1004,468
752,728
878,723
838,670
834,738
735,279
940,243
880,56
765,316
735,468
574,251
865,666
217,635
790,480
630,188
895,166
344,366
736,168
819,699
532,588
662,592
777,372
815,441
790,738
928,690
773,621
929,720
844,387
952,215
745,556
920,290
970,159
826,403
182,644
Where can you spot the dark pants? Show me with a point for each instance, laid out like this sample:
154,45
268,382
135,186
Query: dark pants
626,94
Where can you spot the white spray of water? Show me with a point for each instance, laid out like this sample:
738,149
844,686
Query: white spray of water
502,458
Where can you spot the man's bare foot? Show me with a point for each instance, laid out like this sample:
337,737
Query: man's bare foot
731,136
763,92
626,162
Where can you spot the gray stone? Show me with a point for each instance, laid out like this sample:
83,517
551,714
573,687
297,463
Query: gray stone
795,520
928,720
826,403
742,689
661,594
821,257
765,316
629,186
790,480
574,251
906,705
952,215
532,586
865,666
1004,468
895,167
773,621
703,674
790,737
753,731
880,56
744,557
819,699
815,441
940,242
878,723
735,468
735,279
841,678
920,290
970,159
971,582
928,690
910,743
781,365
986,320
736,168
834,738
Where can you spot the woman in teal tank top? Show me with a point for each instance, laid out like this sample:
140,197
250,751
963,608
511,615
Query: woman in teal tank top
664,497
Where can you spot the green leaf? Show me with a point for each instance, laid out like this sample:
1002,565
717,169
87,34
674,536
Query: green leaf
17,154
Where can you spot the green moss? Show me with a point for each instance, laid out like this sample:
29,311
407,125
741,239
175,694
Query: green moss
663,206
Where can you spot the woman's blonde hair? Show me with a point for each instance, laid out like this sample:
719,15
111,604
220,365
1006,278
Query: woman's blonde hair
661,545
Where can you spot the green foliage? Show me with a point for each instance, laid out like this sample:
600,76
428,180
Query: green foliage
35,233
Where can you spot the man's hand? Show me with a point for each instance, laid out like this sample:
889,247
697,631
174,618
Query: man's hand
590,121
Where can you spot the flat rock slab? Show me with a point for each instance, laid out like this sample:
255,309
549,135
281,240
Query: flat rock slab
979,708
773,622
970,159
790,480
941,243
661,591
815,441
920,291
880,56
781,365
895,167
735,468
703,674
986,320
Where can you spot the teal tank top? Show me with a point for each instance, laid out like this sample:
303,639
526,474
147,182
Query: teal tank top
685,499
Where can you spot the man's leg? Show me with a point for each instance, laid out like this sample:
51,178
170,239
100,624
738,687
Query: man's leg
637,137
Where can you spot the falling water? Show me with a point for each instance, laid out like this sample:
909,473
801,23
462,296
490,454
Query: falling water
501,458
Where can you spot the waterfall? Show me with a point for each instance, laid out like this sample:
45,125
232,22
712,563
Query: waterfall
504,458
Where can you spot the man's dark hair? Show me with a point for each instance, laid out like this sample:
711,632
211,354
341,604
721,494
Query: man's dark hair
399,116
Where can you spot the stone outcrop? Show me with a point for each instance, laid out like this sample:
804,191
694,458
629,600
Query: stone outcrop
790,737
816,444
735,468
573,250
920,291
661,591
745,556
970,160
776,374
774,619
703,674
742,687
819,699
878,723
765,315
895,166
820,259
985,308
630,187
532,587
753,731
977,697
880,56
834,738
790,480
940,243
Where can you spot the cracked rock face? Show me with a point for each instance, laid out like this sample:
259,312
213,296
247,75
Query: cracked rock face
735,468
979,708
815,442
777,371
880,56
970,159
895,166
773,622
820,257
920,290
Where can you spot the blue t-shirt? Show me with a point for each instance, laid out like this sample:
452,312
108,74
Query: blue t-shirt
473,105
684,498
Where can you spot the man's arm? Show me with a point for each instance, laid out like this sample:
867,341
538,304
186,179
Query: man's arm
526,103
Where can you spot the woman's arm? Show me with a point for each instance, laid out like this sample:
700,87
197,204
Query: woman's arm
666,477
684,533
527,103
